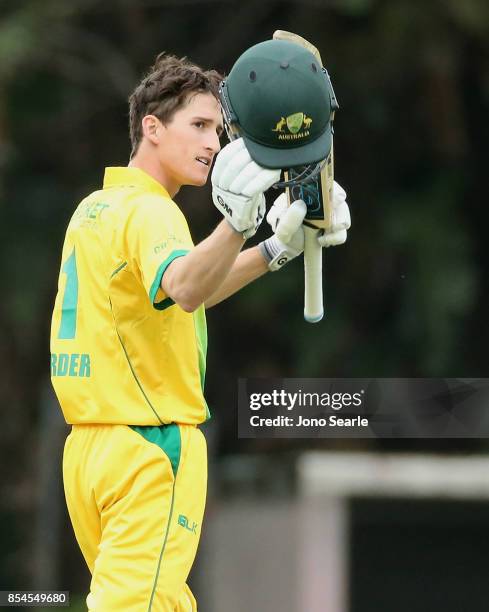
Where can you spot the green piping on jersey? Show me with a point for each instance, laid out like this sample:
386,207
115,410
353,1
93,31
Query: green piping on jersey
157,280
167,437
200,326
166,303
118,269
170,516
132,369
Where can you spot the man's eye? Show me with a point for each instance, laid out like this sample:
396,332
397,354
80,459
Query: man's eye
199,124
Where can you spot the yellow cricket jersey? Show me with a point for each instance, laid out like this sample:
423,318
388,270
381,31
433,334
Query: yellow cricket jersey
121,350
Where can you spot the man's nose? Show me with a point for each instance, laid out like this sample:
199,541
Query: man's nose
214,144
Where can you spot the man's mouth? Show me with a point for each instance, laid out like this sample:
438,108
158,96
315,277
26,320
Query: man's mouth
204,160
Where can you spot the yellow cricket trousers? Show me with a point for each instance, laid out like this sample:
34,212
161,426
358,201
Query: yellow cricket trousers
136,498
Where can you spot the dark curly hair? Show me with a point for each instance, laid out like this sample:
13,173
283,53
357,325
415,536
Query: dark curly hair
165,89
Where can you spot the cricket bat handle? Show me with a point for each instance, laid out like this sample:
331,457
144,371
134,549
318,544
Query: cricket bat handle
313,276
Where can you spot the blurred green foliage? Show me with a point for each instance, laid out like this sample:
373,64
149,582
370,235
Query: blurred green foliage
406,296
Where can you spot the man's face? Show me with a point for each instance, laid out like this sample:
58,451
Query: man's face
189,142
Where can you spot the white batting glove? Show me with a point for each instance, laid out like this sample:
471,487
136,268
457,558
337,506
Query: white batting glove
238,184
286,221
288,239
341,220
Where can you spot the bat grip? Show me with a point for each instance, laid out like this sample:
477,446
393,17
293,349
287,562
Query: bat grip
313,277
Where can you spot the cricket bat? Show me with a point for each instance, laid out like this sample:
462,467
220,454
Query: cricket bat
318,196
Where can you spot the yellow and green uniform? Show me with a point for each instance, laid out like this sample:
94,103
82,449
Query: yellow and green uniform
128,367
120,352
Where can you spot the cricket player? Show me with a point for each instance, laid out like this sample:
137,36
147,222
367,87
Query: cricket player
128,336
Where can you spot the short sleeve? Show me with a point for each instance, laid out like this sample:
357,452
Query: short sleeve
156,233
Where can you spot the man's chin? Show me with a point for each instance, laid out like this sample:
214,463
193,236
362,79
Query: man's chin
198,181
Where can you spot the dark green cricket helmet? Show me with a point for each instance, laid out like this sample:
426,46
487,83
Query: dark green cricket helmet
281,101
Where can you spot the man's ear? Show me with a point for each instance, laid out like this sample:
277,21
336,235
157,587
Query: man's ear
151,128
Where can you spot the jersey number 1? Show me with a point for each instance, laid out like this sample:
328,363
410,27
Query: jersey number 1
67,329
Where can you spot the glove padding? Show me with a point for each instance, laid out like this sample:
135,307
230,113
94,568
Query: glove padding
238,184
288,239
340,220
286,221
